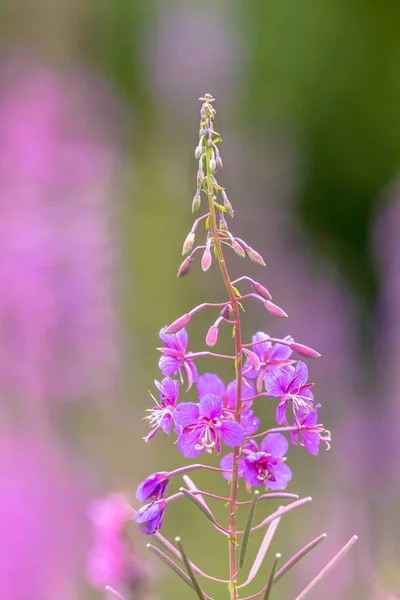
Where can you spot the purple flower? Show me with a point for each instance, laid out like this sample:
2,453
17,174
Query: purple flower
227,461
209,383
290,385
160,416
150,516
203,426
175,358
153,486
310,434
270,355
266,467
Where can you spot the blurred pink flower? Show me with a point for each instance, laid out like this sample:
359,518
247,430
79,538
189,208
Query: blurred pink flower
57,323
42,520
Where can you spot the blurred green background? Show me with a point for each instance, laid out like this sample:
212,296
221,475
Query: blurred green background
307,103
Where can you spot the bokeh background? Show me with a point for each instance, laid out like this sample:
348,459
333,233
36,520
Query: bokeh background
98,125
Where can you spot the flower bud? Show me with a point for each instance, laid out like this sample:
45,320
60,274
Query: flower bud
198,151
227,204
305,351
200,178
213,165
226,312
253,359
206,259
260,289
222,223
188,243
185,267
196,202
238,248
219,162
255,257
274,309
212,336
178,324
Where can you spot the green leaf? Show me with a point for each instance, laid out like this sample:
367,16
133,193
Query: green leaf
270,581
170,563
197,503
247,529
207,225
190,571
220,207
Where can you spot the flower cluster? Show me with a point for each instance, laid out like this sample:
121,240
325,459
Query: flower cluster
220,416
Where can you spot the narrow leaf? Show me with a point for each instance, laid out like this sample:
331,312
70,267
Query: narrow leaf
327,568
298,556
247,528
190,571
271,581
200,506
220,207
269,534
236,291
170,563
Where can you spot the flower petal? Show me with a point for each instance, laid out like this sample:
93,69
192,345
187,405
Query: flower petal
210,406
281,352
261,349
248,391
282,475
169,339
249,422
227,463
232,433
170,389
209,383
182,340
186,413
275,444
187,442
300,374
277,380
168,365
311,440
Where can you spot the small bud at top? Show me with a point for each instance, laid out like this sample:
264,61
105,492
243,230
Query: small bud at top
260,289
238,248
206,259
227,204
212,336
196,202
255,257
178,324
188,243
200,178
305,351
185,266
274,309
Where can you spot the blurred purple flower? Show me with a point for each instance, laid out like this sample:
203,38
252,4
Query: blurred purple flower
57,325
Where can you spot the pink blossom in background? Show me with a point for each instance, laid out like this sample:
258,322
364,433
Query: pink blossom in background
42,520
57,264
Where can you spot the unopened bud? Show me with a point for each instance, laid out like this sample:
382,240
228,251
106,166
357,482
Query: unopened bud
188,243
213,165
222,223
200,178
201,132
212,336
238,248
219,162
198,151
227,204
178,324
274,309
255,257
253,360
260,289
206,260
305,351
185,266
196,202
226,312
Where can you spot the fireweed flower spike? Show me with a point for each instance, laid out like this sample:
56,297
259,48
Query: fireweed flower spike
224,415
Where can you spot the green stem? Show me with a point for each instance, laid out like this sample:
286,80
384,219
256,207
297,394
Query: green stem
238,366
